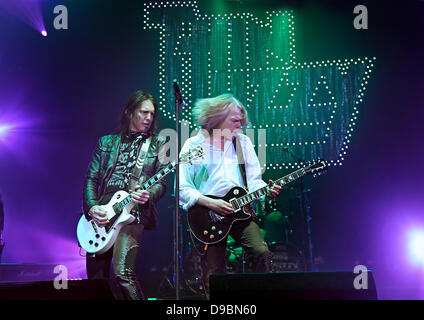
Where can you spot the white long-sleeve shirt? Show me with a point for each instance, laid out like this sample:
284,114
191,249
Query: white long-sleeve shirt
218,171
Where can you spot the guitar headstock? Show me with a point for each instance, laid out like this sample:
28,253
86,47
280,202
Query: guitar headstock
316,167
192,154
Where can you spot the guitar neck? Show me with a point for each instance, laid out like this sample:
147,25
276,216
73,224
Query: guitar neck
162,173
255,195
291,177
146,185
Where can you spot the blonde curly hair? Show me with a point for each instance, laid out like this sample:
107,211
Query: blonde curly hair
208,113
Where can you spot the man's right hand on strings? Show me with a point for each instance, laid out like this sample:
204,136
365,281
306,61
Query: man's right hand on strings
99,215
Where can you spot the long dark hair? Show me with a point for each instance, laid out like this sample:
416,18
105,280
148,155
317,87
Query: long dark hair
136,99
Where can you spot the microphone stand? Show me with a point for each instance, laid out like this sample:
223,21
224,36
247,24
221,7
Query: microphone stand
306,208
178,103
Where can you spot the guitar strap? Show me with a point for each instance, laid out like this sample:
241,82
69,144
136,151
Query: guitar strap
138,168
242,166
240,158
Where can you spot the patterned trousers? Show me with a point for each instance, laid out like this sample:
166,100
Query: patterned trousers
124,255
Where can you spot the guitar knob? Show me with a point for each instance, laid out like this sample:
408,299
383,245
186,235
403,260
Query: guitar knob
213,228
220,232
211,236
205,232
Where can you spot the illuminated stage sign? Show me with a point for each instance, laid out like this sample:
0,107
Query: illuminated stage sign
309,107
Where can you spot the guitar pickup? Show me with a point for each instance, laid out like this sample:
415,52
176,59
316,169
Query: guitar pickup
214,216
233,203
94,226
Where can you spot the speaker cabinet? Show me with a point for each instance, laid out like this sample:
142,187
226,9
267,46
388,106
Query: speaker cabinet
292,286
45,290
26,272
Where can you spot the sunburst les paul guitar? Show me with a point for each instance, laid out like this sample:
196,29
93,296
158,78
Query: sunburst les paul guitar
97,240
210,227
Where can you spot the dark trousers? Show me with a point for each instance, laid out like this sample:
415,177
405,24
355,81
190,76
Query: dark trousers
248,234
124,255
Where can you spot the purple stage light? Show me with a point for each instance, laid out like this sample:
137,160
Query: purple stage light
44,33
396,224
21,130
35,243
10,123
28,11
416,246
4,129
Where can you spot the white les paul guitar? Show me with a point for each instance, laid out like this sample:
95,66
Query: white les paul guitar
95,239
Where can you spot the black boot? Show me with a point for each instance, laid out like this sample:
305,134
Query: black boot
129,285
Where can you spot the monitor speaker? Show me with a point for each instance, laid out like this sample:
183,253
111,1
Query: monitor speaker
293,286
98,289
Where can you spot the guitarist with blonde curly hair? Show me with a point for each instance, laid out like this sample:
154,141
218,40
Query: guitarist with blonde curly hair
221,119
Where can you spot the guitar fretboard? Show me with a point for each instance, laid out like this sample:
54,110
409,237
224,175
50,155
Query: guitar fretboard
146,185
118,207
255,195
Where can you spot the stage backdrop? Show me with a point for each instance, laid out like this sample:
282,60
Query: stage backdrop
308,108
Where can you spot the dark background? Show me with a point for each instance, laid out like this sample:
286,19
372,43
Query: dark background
63,91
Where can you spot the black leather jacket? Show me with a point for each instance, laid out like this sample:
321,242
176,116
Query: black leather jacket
101,168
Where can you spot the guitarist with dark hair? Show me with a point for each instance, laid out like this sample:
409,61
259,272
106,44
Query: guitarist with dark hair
221,119
112,168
